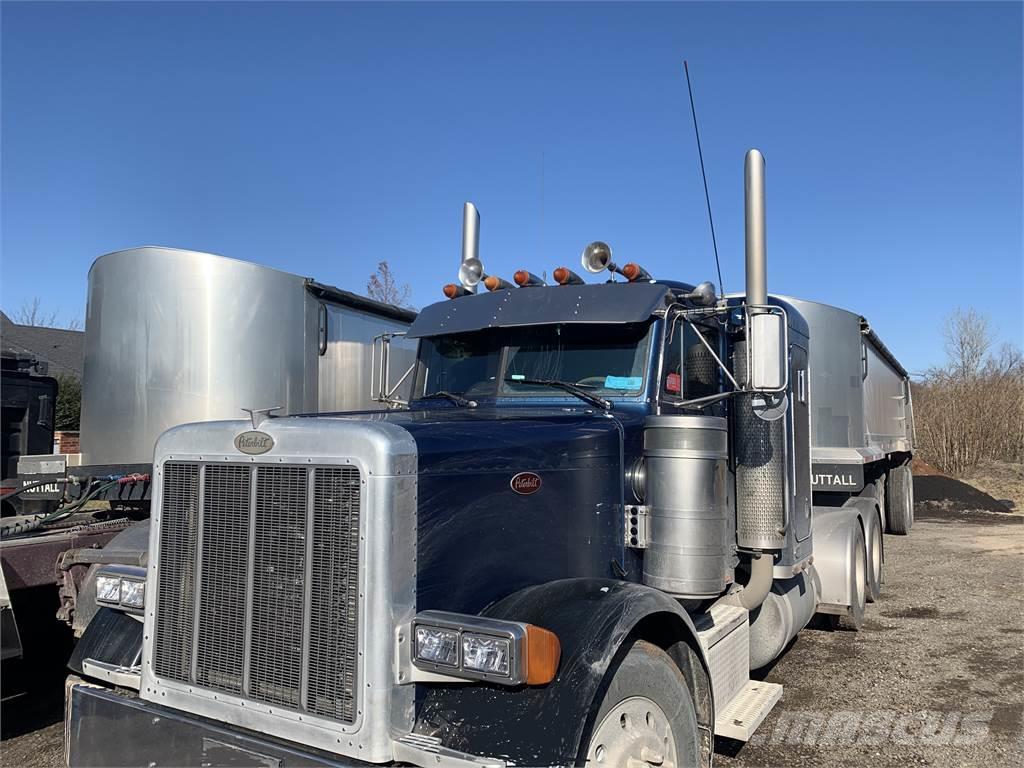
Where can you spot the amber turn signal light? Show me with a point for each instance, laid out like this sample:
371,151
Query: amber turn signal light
542,652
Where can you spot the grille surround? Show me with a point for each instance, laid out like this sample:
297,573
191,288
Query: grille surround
252,530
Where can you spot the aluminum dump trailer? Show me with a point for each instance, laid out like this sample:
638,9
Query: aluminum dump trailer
862,416
175,336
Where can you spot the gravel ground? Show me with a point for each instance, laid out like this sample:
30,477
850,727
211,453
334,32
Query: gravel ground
936,676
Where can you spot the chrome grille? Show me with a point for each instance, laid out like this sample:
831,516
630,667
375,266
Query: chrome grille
258,587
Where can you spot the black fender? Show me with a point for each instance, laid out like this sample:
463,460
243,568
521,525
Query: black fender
112,637
546,725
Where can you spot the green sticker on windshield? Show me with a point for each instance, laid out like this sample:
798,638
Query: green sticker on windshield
622,382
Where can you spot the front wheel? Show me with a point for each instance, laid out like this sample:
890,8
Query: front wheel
646,717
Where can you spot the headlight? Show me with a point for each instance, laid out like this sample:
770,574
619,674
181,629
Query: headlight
482,648
437,646
121,586
133,593
108,589
486,654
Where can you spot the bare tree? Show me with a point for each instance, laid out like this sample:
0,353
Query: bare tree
968,337
972,409
32,313
383,286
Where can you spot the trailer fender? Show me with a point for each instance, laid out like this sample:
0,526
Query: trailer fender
595,621
835,542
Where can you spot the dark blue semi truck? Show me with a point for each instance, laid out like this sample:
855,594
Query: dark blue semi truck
600,508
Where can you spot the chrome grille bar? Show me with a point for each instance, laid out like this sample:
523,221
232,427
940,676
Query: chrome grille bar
335,593
172,657
223,550
278,586
258,583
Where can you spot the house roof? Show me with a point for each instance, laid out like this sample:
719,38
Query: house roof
61,349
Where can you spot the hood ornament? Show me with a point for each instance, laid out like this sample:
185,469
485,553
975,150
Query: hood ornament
259,415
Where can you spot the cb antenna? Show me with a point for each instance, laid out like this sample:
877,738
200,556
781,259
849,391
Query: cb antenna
707,197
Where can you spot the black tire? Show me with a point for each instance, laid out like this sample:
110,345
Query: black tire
879,488
854,619
645,672
899,500
875,559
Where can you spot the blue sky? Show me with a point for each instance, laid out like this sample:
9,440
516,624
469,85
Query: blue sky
321,138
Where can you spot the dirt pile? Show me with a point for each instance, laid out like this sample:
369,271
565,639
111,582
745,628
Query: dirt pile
1000,479
938,496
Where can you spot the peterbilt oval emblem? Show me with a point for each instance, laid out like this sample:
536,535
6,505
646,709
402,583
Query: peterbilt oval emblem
254,442
525,483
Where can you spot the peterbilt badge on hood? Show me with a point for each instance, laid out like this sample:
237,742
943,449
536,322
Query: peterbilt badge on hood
525,483
254,442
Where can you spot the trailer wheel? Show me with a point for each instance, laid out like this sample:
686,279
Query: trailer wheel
899,498
853,620
646,716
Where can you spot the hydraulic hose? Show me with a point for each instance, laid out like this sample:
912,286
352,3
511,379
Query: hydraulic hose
24,526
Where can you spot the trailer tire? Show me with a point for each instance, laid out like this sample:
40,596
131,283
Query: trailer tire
873,539
853,620
646,714
899,499
879,486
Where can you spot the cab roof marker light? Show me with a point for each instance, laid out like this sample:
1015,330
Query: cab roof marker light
526,279
453,291
565,276
495,283
635,273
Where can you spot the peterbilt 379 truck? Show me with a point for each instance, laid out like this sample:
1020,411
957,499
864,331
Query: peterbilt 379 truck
600,508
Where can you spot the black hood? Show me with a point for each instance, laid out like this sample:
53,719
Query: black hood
479,538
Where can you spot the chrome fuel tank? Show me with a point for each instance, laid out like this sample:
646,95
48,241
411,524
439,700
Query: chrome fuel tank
690,527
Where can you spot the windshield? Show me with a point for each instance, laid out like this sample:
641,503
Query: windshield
603,359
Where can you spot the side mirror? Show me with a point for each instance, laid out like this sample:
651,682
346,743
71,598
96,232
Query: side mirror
767,345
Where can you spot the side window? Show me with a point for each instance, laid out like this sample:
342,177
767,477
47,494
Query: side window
690,370
699,365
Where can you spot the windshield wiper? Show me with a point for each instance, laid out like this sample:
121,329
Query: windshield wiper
565,386
465,402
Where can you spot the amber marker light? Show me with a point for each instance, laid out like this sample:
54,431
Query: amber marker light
452,290
633,272
542,652
495,283
565,276
522,277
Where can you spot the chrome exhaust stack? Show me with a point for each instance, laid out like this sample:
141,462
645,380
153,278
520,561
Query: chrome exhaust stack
470,249
756,229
